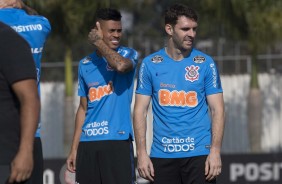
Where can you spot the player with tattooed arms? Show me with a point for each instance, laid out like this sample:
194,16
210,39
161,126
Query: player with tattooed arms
102,149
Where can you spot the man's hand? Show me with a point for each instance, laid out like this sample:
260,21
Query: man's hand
213,165
21,166
11,4
95,34
71,164
145,167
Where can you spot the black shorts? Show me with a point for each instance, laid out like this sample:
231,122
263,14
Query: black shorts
37,173
5,171
107,162
180,170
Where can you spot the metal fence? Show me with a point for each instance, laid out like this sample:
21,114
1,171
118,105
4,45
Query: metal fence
228,65
235,80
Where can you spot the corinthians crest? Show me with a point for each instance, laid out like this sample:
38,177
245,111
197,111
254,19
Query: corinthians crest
192,73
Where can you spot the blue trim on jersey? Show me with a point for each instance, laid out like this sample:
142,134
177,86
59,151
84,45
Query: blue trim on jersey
109,96
35,30
181,122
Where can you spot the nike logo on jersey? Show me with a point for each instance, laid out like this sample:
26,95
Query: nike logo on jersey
161,73
109,68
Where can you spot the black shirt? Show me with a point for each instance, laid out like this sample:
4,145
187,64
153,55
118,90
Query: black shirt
16,64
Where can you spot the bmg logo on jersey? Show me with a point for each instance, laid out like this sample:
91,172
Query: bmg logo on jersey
178,98
96,128
95,94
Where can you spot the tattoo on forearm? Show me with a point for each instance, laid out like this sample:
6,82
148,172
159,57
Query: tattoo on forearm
115,60
95,38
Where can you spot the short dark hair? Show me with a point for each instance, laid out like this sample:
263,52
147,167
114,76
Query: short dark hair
108,14
173,12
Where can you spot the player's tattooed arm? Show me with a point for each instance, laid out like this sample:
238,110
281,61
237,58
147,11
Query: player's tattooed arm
114,59
94,36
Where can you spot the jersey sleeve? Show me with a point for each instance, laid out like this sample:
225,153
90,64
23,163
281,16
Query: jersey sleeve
130,54
144,82
47,26
82,89
212,79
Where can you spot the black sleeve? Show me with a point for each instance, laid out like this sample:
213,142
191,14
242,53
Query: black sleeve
16,61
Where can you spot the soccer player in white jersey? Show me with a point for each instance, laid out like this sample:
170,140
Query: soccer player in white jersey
101,151
183,84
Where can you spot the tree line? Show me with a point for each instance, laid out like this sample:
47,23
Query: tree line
257,23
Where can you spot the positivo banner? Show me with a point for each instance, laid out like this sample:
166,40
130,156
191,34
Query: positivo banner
251,169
